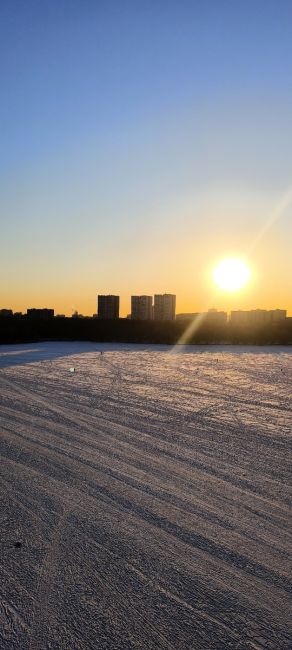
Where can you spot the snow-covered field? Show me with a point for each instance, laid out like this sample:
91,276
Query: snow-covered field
145,497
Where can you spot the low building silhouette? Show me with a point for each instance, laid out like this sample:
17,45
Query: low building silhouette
6,313
187,317
210,317
40,313
257,317
215,317
278,315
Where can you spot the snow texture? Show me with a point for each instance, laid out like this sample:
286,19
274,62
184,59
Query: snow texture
145,497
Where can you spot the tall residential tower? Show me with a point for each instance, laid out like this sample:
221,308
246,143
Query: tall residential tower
108,307
141,307
164,306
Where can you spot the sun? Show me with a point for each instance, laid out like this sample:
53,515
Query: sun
231,274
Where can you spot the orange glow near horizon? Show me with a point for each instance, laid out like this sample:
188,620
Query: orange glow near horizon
186,301
75,286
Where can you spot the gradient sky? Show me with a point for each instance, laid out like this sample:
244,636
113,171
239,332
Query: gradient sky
142,142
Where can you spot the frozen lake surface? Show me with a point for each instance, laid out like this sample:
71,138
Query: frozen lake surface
145,497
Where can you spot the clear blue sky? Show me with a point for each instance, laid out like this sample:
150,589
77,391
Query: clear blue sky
140,143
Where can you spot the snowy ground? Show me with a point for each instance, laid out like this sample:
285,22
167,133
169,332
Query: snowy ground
145,497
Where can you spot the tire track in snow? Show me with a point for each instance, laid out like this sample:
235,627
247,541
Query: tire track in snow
42,609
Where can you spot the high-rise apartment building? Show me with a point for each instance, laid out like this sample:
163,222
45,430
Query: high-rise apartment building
164,306
108,307
141,307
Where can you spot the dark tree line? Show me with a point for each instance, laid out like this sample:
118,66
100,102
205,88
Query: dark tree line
20,330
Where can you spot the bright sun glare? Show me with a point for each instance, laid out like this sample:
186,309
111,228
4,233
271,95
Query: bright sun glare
231,274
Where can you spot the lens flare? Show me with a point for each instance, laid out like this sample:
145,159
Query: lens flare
231,274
